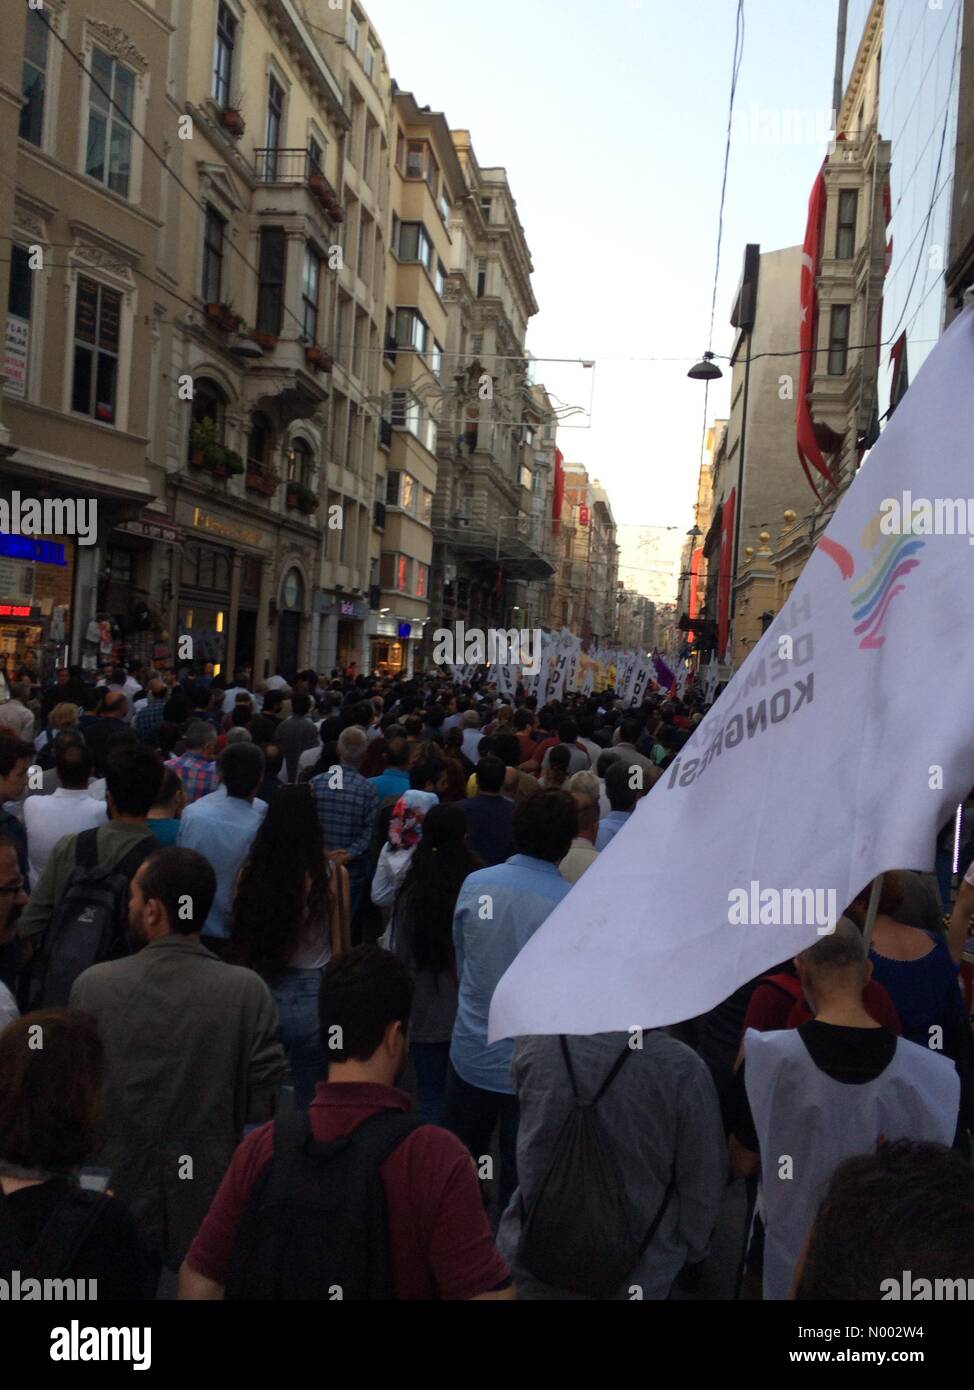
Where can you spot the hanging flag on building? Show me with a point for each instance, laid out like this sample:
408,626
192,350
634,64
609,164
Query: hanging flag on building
557,493
809,453
810,775
724,578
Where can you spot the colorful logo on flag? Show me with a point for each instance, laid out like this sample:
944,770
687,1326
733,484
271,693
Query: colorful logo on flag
874,592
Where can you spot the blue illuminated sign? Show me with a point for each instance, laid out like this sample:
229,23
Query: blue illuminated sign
41,552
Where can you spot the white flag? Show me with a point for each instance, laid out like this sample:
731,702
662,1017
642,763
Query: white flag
816,770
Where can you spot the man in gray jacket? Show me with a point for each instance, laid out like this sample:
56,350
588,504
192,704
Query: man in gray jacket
191,1051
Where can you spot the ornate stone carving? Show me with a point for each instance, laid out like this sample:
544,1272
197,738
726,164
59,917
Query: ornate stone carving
101,259
27,222
115,41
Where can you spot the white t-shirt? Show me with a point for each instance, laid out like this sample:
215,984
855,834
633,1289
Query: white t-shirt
48,819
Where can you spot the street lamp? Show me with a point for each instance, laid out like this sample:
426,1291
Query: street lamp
705,370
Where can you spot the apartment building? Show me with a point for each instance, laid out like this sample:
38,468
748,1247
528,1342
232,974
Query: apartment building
426,181
359,437
85,392
251,247
489,548
589,559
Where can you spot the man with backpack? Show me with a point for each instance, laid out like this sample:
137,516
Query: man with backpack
352,1199
621,1166
78,910
191,1052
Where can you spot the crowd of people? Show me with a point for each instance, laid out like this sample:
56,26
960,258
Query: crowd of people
249,937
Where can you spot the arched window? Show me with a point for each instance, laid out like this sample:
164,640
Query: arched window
299,462
209,405
260,443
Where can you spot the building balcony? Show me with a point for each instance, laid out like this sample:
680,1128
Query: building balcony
298,172
287,384
519,556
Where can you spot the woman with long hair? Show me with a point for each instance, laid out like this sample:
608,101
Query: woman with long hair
555,775
405,834
421,934
290,917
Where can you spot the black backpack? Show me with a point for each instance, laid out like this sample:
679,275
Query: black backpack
579,1232
90,920
316,1225
53,1253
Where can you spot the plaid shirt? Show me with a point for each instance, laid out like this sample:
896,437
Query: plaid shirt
149,718
199,777
347,814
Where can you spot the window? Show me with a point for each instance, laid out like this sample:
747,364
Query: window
209,403
406,412
371,53
439,278
485,204
275,124
426,507
411,330
97,318
403,568
19,299
390,343
422,580
110,102
316,156
226,29
481,278
429,433
839,340
436,361
415,159
477,344
414,244
527,478
401,491
270,285
845,247
310,281
259,443
33,79
18,321
299,462
352,32
213,257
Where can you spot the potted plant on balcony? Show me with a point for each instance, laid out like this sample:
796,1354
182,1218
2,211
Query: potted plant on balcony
232,120
318,358
319,186
268,341
336,213
301,498
233,464
204,440
224,317
262,479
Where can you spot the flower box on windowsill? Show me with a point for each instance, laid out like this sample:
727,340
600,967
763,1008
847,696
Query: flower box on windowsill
301,499
264,483
267,341
223,316
232,121
319,359
336,213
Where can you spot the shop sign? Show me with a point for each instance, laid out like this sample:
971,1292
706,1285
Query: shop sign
153,527
40,552
19,610
203,521
350,608
15,355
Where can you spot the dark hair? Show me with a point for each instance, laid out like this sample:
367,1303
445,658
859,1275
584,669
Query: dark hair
375,760
170,785
12,752
178,708
273,759
559,761
908,1206
241,716
362,992
427,770
890,897
49,1095
271,909
490,774
622,797
241,769
172,875
507,748
545,824
273,700
73,762
427,896
199,735
300,703
631,728
397,752
133,774
524,718
568,731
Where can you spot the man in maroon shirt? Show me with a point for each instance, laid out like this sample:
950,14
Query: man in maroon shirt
440,1245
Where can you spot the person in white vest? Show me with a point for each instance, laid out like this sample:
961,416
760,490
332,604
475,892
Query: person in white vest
837,1086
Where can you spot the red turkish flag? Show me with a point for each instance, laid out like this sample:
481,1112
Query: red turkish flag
809,454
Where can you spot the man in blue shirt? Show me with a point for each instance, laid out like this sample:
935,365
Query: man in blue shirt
395,780
221,826
347,805
499,909
622,796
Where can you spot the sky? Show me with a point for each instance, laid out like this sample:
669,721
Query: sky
610,117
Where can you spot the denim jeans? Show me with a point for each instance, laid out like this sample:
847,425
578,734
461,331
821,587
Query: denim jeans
430,1062
473,1115
296,996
